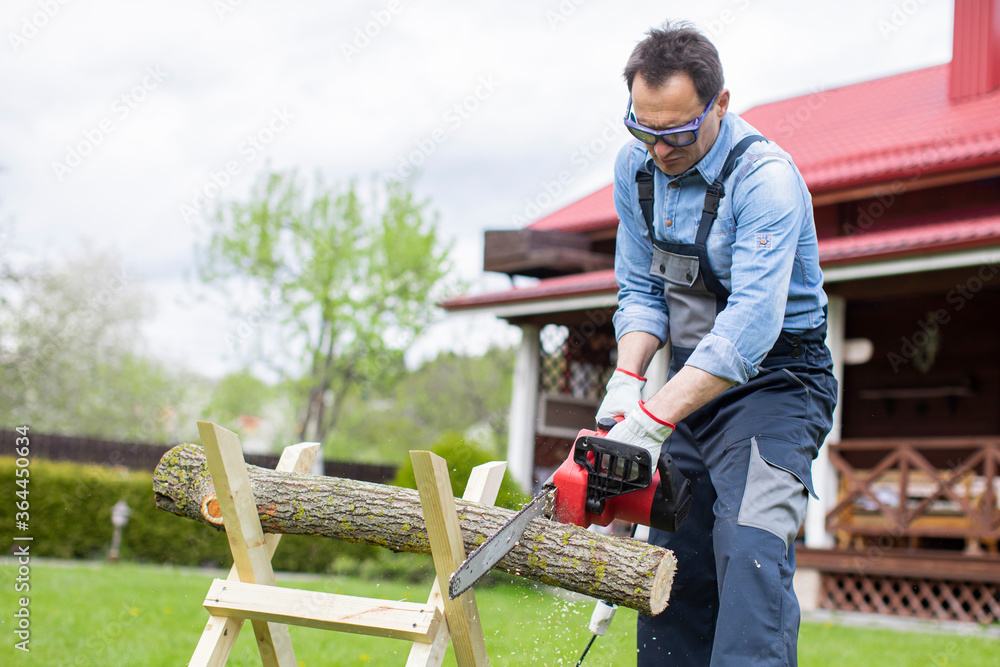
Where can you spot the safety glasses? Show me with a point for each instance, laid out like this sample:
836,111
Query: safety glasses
678,137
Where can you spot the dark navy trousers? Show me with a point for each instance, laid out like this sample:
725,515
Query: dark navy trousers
748,454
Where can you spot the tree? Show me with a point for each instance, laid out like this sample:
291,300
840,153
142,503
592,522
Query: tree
456,392
349,282
239,393
70,355
449,394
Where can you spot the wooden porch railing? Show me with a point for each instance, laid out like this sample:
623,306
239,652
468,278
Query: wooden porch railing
912,488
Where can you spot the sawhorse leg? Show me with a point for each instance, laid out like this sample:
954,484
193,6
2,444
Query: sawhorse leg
483,486
220,632
251,552
448,550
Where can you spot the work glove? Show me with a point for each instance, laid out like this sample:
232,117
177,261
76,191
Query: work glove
624,392
642,429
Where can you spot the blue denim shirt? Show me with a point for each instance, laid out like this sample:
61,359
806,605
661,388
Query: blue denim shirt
762,248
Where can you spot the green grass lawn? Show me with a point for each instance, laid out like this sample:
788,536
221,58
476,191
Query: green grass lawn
93,614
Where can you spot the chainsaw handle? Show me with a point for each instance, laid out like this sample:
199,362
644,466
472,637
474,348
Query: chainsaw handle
605,424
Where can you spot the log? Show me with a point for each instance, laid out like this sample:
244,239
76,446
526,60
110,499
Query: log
620,571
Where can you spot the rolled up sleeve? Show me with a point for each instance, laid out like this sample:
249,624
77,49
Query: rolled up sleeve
641,304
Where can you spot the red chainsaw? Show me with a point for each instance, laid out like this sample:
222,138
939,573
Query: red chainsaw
601,480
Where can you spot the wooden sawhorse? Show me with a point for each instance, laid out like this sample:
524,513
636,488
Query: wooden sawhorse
249,592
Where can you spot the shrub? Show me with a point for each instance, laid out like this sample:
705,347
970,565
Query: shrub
462,457
70,509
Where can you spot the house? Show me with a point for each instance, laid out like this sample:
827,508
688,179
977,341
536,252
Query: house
905,177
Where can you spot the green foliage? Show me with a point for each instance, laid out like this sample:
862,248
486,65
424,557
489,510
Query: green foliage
71,518
71,512
458,392
128,614
70,360
350,281
239,393
470,395
462,457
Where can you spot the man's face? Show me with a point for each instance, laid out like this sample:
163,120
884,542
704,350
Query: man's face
674,104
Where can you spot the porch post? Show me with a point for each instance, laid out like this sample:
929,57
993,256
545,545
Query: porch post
524,409
824,476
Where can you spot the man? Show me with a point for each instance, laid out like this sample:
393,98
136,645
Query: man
721,260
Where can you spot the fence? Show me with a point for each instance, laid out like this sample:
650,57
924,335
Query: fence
917,524
918,488
144,456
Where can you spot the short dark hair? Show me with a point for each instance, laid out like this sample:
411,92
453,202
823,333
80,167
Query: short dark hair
672,48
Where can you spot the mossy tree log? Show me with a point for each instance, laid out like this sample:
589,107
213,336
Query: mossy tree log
618,570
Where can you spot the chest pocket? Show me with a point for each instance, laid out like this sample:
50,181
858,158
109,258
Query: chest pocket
680,270
724,224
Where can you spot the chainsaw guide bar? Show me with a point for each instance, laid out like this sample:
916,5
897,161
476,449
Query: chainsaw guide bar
499,544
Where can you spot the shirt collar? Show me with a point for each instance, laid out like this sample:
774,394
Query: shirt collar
710,165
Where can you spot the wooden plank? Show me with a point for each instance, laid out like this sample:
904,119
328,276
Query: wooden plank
219,636
246,538
921,444
445,536
514,242
541,253
483,486
484,483
550,262
324,611
917,564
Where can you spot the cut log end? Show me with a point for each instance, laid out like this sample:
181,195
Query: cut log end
663,580
211,511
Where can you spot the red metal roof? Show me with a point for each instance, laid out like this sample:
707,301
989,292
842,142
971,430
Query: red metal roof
897,127
941,233
948,234
578,284
595,211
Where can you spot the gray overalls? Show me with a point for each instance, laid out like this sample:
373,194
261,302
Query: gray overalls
748,455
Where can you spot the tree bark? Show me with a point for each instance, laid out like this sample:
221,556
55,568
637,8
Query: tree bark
621,571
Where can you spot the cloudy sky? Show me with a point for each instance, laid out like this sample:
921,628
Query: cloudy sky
118,120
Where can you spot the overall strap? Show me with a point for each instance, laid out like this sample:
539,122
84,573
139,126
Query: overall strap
716,191
644,182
